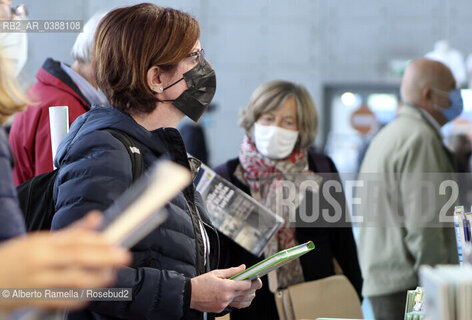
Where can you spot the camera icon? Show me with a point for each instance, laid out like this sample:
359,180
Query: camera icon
6,294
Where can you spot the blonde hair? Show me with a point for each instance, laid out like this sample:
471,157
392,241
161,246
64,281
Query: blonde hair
270,96
11,99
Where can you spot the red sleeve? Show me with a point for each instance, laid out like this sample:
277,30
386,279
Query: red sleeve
30,138
75,110
21,140
42,146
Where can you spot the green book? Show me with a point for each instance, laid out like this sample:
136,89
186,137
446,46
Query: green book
274,262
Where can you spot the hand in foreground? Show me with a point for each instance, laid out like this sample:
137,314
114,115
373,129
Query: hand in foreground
75,257
213,291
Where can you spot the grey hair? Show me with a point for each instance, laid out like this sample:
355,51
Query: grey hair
82,50
270,96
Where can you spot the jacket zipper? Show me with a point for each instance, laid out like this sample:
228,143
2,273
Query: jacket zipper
217,243
194,215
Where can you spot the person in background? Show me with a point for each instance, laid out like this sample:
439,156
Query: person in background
57,85
462,149
406,155
11,101
76,257
14,44
280,122
150,65
193,134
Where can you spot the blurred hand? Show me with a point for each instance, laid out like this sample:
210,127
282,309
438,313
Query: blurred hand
75,257
244,299
213,291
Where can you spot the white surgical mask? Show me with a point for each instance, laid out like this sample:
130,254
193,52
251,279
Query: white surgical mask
274,142
15,51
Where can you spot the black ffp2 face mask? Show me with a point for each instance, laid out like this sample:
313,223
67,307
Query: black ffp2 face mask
201,82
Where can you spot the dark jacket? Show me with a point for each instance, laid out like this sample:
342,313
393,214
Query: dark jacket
194,138
331,241
30,135
95,169
11,219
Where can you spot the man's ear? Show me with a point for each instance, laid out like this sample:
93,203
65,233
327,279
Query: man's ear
426,94
154,79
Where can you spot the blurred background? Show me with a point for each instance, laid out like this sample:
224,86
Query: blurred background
349,54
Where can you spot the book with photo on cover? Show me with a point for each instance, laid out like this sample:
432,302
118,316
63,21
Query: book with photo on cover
462,226
139,210
236,214
274,262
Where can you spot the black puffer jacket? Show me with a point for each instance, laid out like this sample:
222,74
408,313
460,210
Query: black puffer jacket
95,169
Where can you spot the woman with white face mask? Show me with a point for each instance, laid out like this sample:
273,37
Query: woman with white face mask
280,122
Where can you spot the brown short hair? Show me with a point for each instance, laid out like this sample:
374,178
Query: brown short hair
129,41
270,96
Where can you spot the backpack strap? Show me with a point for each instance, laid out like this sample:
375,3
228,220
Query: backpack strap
35,197
132,146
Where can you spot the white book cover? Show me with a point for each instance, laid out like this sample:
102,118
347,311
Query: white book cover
140,209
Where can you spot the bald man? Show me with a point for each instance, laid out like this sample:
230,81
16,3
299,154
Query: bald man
403,228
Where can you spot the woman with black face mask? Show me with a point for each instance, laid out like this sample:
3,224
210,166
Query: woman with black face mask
151,67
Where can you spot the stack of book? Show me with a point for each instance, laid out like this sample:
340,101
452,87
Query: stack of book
462,223
414,305
448,292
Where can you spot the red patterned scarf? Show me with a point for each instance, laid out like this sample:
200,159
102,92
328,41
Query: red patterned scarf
264,177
